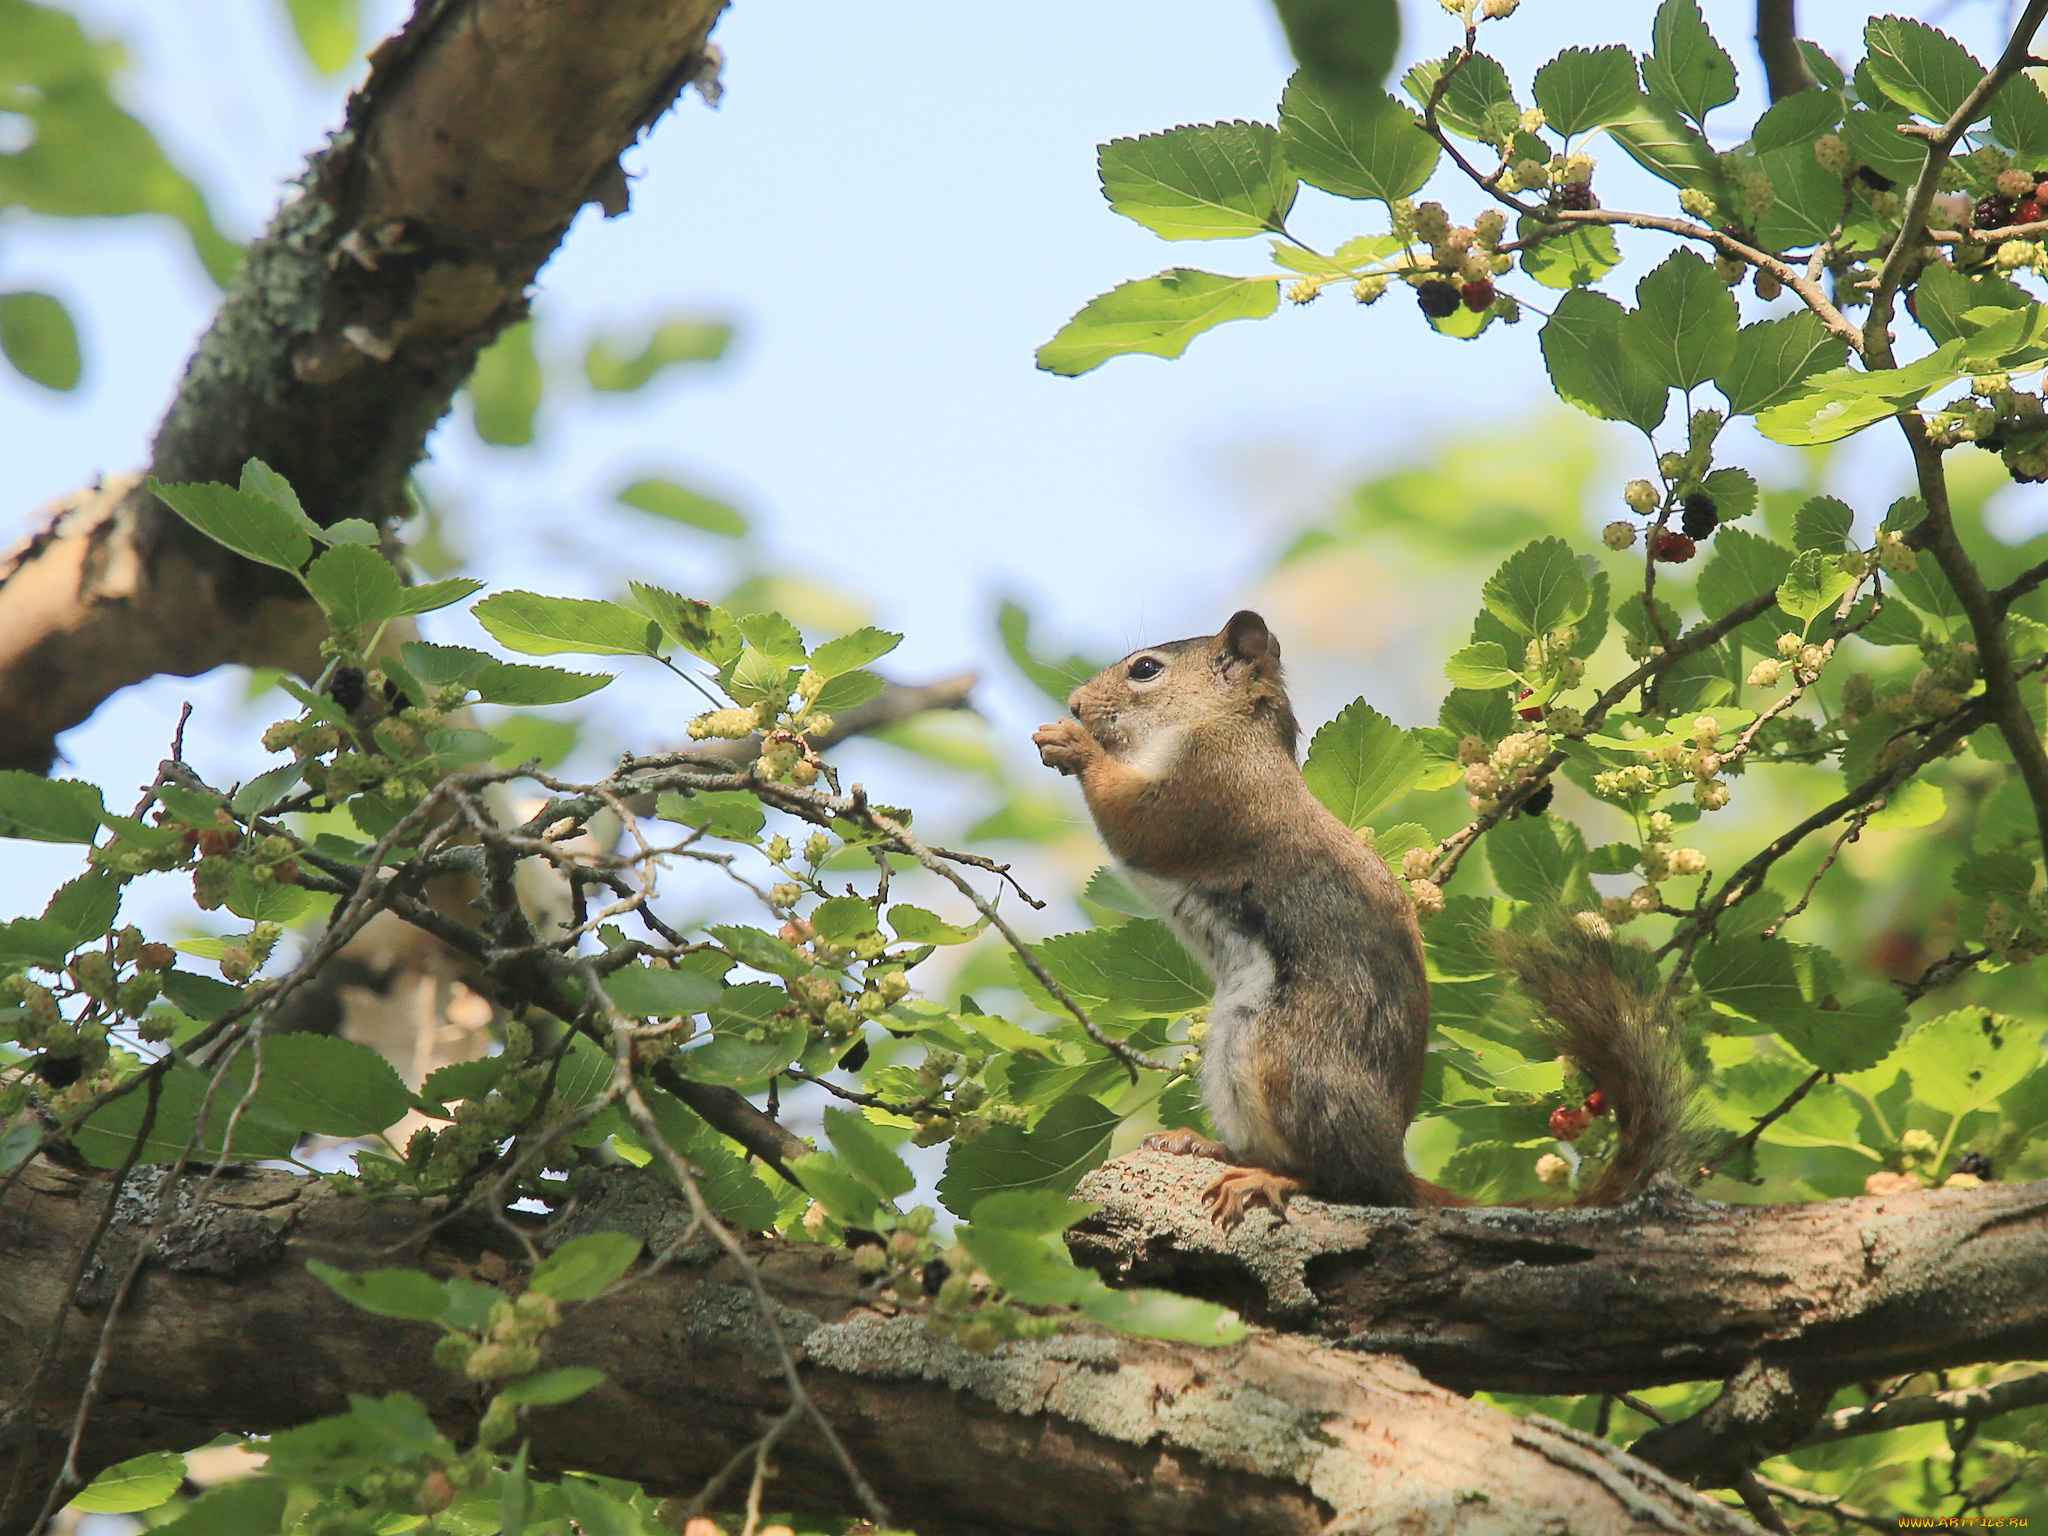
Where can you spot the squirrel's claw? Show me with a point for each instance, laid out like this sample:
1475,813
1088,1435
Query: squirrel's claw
1241,1188
1065,745
1186,1144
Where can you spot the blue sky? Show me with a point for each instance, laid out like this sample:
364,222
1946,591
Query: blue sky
895,206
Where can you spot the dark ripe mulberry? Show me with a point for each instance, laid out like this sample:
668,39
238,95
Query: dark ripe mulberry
1437,298
395,697
1539,802
1477,294
1993,212
1569,1124
1975,1164
936,1274
1575,196
1673,548
1877,181
346,687
857,1056
59,1071
1701,517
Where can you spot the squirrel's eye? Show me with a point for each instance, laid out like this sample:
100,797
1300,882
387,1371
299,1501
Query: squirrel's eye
1145,668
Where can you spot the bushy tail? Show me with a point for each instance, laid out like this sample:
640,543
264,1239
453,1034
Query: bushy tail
1614,1030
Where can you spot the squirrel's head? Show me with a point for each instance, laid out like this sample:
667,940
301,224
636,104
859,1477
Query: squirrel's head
1227,684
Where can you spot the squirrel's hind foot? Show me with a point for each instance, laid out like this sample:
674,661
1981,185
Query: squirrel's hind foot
1187,1144
1241,1188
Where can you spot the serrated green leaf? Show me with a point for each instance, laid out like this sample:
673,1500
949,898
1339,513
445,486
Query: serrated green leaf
431,595
1043,1211
408,1293
1965,1060
2019,118
38,338
1822,523
1683,328
250,1506
647,993
1665,145
698,627
355,587
774,637
1592,366
731,814
266,789
1586,88
328,1086
1069,1139
535,625
1807,200
1915,803
528,687
1796,121
1159,315
1135,970
1538,588
1772,358
107,1137
251,526
583,1266
855,650
1361,763
1813,585
1581,255
1528,860
84,909
1354,146
459,1080
1214,181
1925,71
755,1033
1685,66
1943,296
1876,140
1483,665
1744,565
1477,104
266,901
679,504
142,1482
833,1185
729,1186
1734,492
914,925
861,1147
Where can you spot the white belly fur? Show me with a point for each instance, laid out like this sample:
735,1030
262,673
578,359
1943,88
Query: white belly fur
1243,972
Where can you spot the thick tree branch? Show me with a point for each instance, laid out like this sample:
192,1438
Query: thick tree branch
1569,1301
1777,43
407,245
1084,1433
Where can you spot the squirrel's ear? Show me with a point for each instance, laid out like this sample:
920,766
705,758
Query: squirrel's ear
1247,638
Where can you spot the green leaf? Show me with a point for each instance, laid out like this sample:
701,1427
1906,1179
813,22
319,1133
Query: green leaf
832,1184
1030,1267
1586,88
674,341
142,1482
1683,329
266,789
1361,763
1830,406
1591,365
18,1142
914,925
855,650
1135,970
528,687
1055,679
1965,1060
1744,565
1915,803
1665,145
1212,182
84,909
647,993
107,1137
355,587
680,504
1876,140
1796,121
699,628
535,625
48,810
550,1387
1354,145
1159,315
1342,45
1477,104
205,998
762,951
843,920
1812,586
2019,119
1772,358
1943,296
1154,1314
1529,863
406,1293
1927,72
774,637
1069,1139
731,1188
1734,492
1807,204
1685,66
37,336
861,1147
1822,523
583,1266
1483,665
755,1033
328,1086
264,901
327,31
249,1506
731,814
1538,588
251,526
1043,1211
1573,259
505,389
460,1080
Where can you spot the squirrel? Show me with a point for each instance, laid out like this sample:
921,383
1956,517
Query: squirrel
1313,1060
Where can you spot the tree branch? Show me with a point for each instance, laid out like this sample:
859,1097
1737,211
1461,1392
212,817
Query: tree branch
406,246
1777,42
1084,1434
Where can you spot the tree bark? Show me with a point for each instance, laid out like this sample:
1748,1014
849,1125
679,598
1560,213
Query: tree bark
1083,1433
409,242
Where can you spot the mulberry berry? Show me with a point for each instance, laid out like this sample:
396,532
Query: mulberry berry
1673,548
1575,196
59,1071
346,687
2028,212
1437,298
1975,1164
857,1057
1993,212
1477,294
1596,1103
936,1273
1877,181
1529,711
1701,517
1569,1124
1539,802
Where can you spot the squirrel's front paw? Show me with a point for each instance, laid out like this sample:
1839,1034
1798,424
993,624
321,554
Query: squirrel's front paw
1065,745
